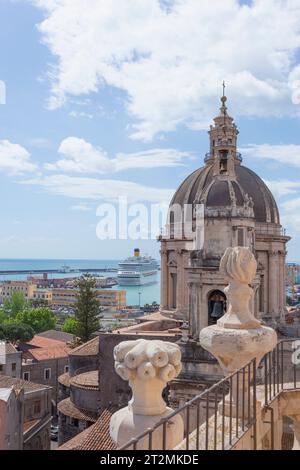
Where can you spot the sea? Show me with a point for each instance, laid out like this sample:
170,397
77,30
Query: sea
147,294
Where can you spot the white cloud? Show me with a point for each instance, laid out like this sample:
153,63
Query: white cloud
291,215
80,156
285,154
14,159
283,187
171,57
97,189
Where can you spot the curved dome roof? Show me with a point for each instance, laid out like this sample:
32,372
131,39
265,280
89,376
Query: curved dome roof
202,186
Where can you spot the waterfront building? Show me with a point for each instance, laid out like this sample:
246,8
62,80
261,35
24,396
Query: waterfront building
112,299
9,287
42,294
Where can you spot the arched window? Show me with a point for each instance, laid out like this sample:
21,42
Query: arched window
216,306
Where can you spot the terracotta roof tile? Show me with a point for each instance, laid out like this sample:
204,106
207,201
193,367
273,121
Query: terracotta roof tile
86,381
42,354
64,379
41,342
67,408
157,316
10,349
91,348
96,437
57,335
6,382
41,349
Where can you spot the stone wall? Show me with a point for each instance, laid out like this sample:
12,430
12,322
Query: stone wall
37,373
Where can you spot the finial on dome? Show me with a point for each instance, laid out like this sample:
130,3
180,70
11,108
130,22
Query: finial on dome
223,100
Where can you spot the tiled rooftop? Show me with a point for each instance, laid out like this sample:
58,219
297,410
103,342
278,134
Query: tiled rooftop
67,408
6,382
91,348
41,349
96,437
58,336
10,349
86,381
64,379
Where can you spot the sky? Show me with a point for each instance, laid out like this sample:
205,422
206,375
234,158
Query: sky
102,99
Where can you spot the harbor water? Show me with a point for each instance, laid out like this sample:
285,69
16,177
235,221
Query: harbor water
135,294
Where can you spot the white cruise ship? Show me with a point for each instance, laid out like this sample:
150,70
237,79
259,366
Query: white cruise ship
137,270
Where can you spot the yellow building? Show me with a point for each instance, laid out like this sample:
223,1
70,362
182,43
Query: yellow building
107,298
9,287
43,294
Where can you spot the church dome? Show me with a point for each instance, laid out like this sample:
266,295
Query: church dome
224,182
202,187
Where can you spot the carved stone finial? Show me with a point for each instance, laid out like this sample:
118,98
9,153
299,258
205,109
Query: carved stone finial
238,265
148,366
238,337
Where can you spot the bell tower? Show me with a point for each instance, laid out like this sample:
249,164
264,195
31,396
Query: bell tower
223,143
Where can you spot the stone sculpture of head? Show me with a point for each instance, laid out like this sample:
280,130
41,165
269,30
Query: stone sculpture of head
148,366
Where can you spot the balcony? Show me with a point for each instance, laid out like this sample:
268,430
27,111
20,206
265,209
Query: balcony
264,396
209,156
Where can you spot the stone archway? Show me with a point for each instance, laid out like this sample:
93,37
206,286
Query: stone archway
216,306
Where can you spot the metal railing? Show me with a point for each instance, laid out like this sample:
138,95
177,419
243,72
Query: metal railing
218,417
212,419
209,156
279,370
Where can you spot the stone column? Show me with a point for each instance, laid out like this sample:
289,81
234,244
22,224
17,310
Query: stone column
164,287
273,283
194,310
238,336
282,286
180,284
148,366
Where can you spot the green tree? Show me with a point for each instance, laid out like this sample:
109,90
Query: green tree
87,308
15,304
70,326
40,319
13,331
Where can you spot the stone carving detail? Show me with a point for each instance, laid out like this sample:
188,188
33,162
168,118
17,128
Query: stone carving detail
238,337
148,366
238,265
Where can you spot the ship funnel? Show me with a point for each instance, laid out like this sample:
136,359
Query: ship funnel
137,252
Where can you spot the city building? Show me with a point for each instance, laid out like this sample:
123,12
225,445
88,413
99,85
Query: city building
9,287
11,361
43,360
108,298
42,294
79,392
11,418
33,410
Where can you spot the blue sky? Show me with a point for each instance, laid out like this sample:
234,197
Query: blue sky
108,100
